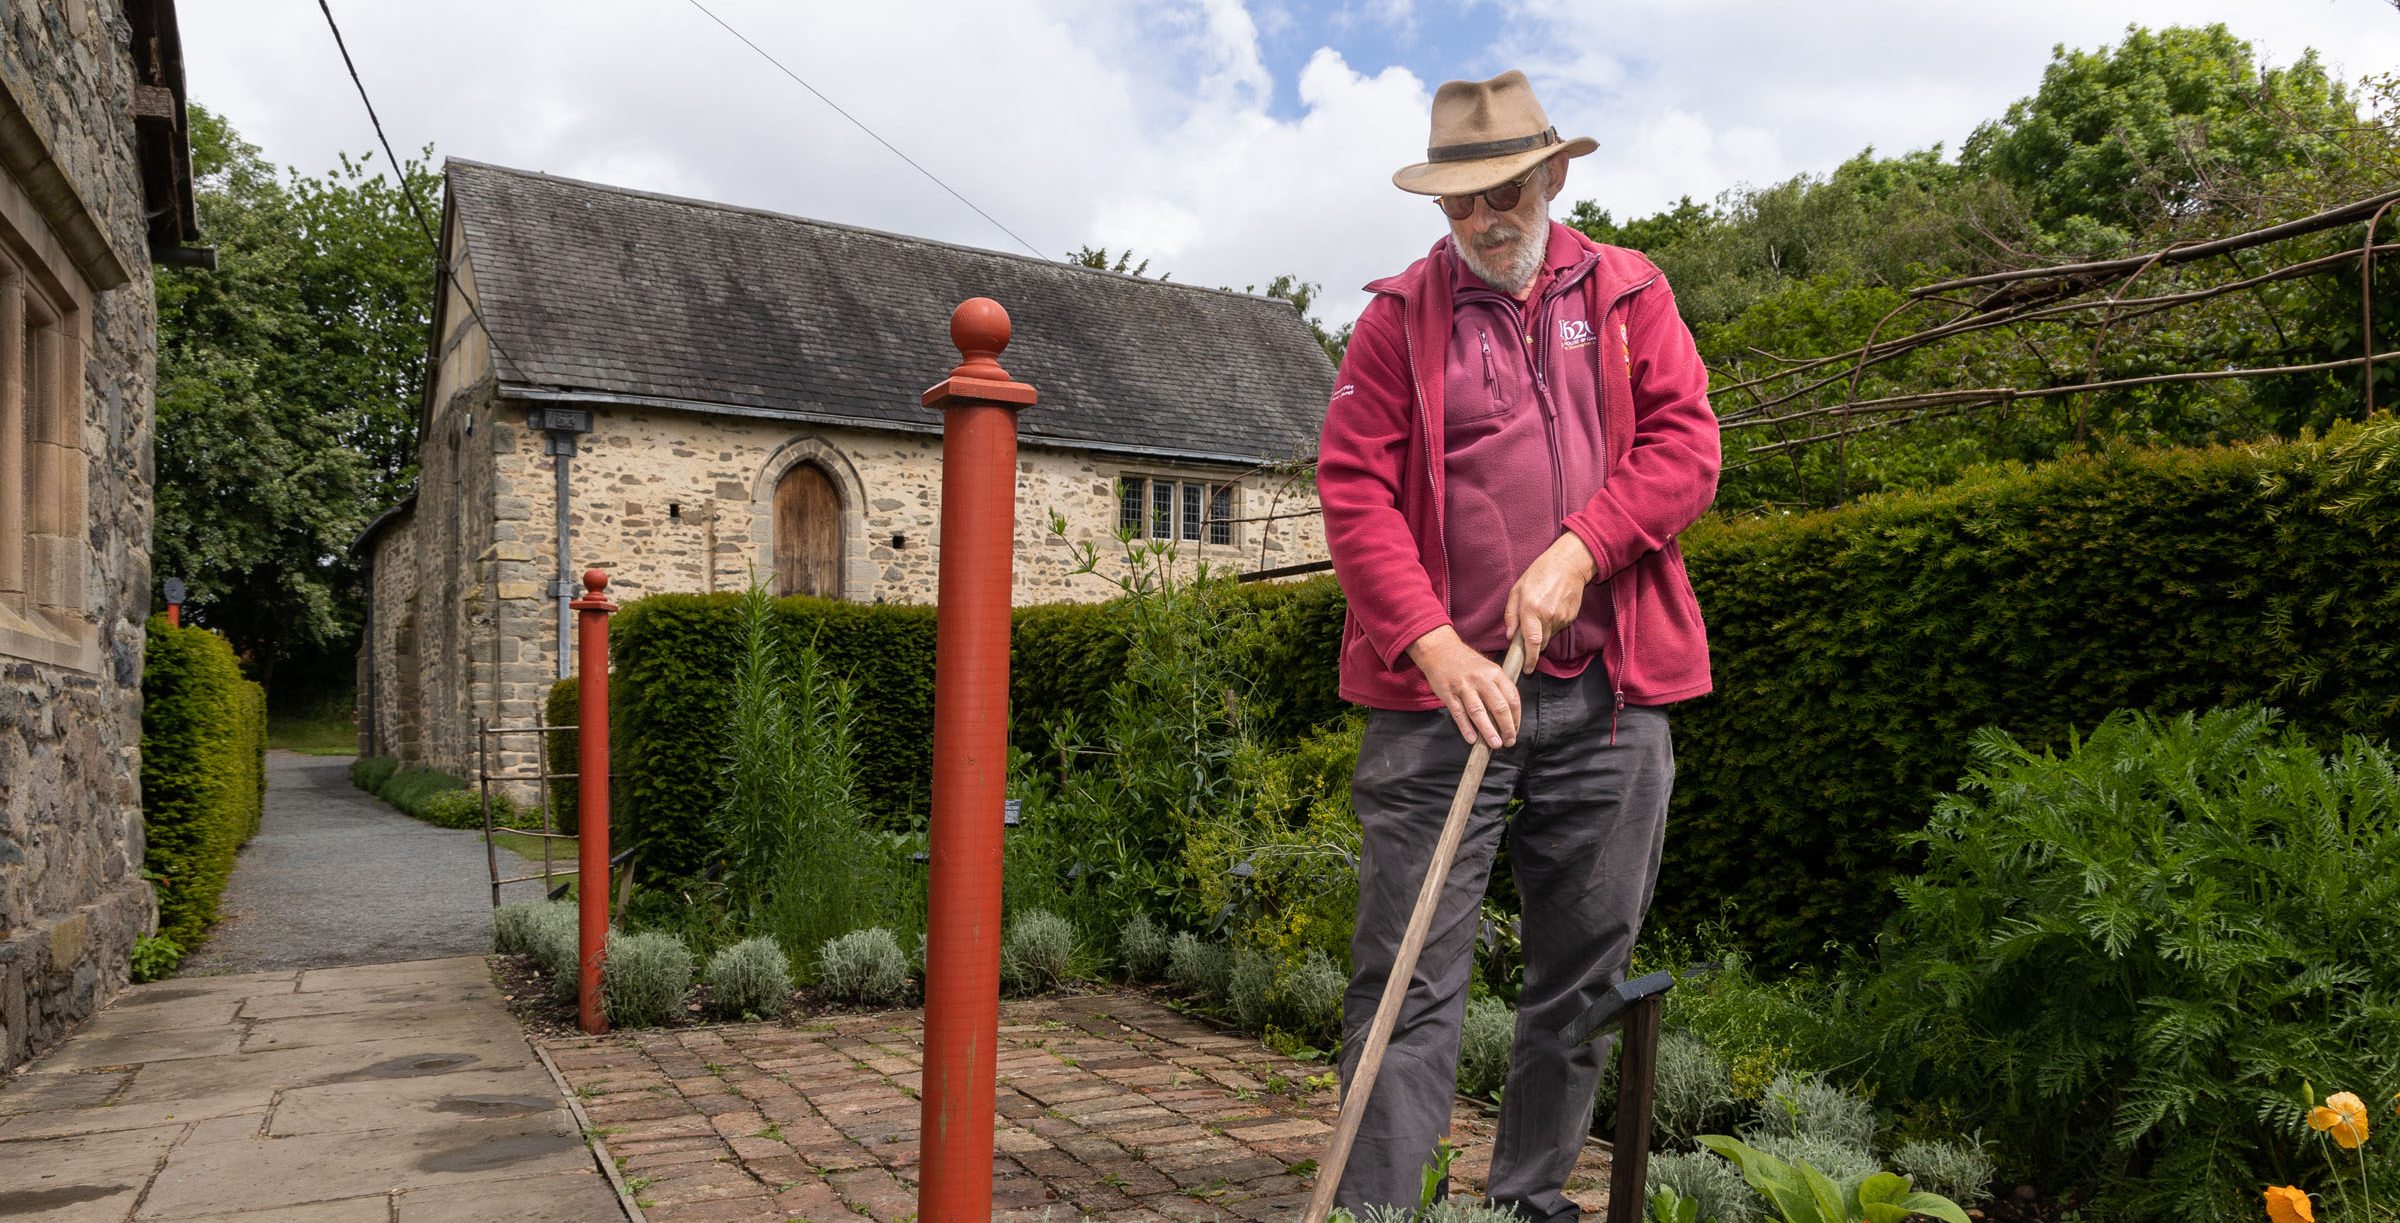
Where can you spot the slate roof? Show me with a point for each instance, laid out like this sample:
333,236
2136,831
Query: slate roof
628,295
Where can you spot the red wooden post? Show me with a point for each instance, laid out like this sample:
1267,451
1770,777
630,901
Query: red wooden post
970,767
591,764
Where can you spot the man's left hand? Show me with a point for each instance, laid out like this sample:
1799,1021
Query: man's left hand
1550,594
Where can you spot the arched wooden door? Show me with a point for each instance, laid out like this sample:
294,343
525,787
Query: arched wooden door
808,533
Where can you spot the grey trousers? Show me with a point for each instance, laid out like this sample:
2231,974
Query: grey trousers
1584,848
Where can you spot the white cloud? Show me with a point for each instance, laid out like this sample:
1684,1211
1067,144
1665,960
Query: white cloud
1149,124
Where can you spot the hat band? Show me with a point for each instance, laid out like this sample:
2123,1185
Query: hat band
1492,148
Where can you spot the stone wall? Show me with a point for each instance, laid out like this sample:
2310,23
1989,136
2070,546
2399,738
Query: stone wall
72,900
679,501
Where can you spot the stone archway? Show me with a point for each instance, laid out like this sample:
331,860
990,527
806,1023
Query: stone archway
809,473
808,533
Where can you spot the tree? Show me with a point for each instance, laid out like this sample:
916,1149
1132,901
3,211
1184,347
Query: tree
1302,294
289,381
1098,257
2117,138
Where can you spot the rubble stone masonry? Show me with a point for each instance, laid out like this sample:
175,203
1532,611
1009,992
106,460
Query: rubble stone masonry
72,898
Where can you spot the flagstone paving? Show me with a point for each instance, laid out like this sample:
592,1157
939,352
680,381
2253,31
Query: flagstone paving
1110,1107
384,1092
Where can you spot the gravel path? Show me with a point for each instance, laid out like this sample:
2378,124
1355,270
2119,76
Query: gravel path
336,876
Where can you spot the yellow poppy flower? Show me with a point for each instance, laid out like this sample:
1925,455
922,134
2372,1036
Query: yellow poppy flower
2342,1115
2286,1204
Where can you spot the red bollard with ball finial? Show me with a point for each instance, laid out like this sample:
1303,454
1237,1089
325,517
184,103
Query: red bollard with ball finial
979,405
591,764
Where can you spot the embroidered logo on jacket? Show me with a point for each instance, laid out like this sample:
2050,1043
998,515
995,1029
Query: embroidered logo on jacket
1574,332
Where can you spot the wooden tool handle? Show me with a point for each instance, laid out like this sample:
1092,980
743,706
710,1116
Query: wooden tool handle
1404,964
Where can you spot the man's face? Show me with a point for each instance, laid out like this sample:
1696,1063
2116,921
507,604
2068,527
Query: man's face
1506,248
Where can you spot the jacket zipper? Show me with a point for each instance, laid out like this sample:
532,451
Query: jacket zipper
1558,472
1433,478
1622,623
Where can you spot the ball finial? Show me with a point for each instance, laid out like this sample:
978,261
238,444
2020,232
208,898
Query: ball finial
595,582
979,327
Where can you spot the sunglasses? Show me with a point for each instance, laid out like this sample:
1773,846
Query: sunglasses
1500,198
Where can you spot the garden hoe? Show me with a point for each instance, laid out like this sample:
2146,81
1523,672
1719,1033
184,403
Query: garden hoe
1404,964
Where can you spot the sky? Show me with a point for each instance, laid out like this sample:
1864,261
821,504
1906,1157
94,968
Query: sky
1225,142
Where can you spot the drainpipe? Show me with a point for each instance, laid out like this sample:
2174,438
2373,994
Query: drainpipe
561,425
562,588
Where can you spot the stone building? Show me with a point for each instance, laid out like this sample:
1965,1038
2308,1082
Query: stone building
693,396
95,183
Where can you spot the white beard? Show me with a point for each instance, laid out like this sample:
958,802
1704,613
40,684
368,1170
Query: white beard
1512,276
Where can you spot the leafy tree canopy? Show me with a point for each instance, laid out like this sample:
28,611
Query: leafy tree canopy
289,381
2171,136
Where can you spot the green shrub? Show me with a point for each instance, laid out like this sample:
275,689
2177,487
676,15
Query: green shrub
460,809
1313,996
2124,962
749,978
1142,947
671,690
1451,1211
1489,1031
1960,1171
520,928
411,788
1037,952
554,941
863,966
1198,968
561,752
1250,989
643,979
795,856
204,733
369,773
1708,1179
155,957
1804,1106
1693,1091
1856,651
674,661
1761,1027
1842,1163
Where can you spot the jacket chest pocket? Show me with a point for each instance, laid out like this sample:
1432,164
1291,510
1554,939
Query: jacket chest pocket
1489,388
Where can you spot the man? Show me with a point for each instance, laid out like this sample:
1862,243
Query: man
1520,428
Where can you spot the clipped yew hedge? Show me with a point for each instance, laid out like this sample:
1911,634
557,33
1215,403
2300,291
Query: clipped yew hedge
671,656
671,659
1854,651
204,738
563,707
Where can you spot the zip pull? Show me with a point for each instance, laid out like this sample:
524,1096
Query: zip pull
1612,716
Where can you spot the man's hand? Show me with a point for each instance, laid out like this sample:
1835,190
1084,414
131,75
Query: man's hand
1550,594
1480,699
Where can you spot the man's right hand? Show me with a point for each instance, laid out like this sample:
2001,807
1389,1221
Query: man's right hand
1475,691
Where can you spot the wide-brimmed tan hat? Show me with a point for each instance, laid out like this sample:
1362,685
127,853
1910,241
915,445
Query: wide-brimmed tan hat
1485,133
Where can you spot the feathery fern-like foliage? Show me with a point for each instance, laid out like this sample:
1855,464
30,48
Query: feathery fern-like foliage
2126,961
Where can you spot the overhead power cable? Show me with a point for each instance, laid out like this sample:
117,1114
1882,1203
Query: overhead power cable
837,109
400,177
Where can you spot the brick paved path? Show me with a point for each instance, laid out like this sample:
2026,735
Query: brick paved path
1110,1107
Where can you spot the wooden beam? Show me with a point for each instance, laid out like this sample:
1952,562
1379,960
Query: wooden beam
154,102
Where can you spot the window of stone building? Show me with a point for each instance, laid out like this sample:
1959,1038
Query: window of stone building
43,611
1160,507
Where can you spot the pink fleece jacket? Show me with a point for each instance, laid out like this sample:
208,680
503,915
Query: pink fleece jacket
1381,474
